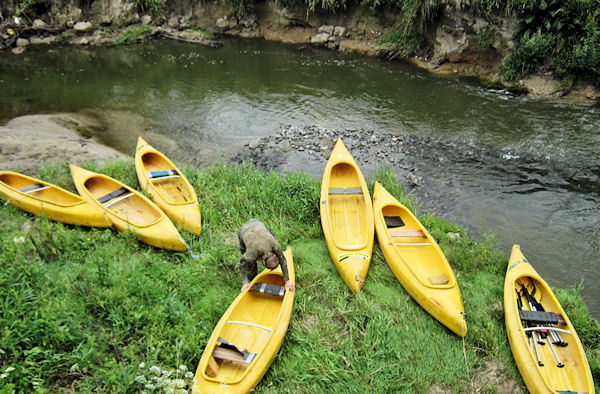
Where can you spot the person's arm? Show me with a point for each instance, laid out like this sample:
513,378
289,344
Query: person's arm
243,267
284,269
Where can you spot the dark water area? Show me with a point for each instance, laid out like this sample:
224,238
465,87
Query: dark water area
525,170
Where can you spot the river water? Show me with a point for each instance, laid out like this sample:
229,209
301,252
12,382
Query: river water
526,170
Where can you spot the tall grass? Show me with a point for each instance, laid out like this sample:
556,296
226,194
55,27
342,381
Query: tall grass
93,310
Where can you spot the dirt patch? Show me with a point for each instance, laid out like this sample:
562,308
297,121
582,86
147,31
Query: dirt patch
30,141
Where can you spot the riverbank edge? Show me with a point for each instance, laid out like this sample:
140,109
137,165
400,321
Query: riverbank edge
488,371
454,39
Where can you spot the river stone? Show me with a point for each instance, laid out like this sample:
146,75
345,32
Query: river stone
326,29
339,31
222,23
18,50
146,19
39,24
43,40
82,26
22,42
319,39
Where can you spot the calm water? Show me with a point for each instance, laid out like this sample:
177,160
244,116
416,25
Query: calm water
542,191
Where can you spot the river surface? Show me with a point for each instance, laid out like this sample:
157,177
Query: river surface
526,170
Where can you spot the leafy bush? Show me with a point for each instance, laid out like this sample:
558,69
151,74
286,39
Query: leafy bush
399,44
526,57
133,34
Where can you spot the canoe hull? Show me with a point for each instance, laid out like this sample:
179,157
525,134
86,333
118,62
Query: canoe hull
415,265
575,375
134,213
174,195
50,200
347,217
245,324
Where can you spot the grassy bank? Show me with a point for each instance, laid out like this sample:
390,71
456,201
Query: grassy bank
95,310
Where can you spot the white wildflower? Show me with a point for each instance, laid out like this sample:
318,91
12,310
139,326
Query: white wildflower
179,383
155,370
189,375
3,376
149,387
166,373
142,365
140,379
9,369
182,368
19,240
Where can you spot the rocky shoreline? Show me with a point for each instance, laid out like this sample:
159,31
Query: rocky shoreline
453,47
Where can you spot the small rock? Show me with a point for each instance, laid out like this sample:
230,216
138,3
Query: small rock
82,26
146,19
18,50
339,31
22,42
326,29
222,23
319,39
173,22
38,24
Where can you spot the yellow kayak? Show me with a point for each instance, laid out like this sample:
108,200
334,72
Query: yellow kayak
128,209
248,336
169,188
417,261
347,217
42,198
543,341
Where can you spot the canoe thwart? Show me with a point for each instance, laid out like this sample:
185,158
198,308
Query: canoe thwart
113,194
346,190
540,317
267,288
393,221
227,351
245,323
437,280
155,175
407,233
33,188
212,369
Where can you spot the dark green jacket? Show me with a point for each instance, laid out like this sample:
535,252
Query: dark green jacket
256,240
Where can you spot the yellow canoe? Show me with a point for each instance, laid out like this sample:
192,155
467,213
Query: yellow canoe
248,336
543,341
417,261
128,209
347,217
42,198
169,188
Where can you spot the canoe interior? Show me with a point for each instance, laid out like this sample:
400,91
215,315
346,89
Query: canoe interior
174,190
347,212
571,377
51,194
257,309
133,209
424,260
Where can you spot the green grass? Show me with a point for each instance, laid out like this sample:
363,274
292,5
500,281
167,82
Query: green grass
93,310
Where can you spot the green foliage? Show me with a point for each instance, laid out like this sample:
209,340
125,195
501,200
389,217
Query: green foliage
529,54
571,30
399,44
486,39
133,34
148,5
93,310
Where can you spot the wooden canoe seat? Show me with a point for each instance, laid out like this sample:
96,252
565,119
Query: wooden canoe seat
438,280
399,233
407,233
227,351
346,190
267,288
36,187
165,174
115,196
